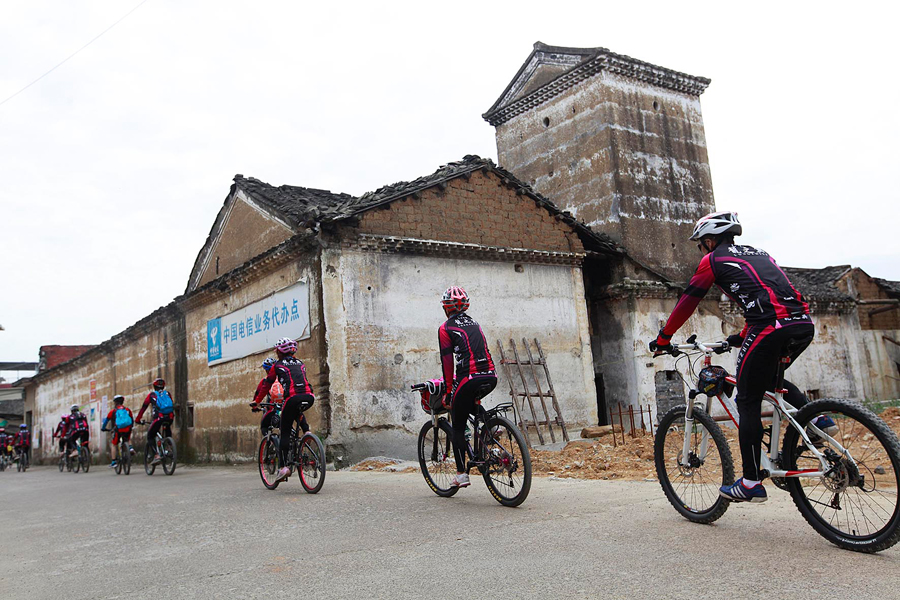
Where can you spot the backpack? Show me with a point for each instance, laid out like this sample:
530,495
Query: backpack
123,419
164,403
276,392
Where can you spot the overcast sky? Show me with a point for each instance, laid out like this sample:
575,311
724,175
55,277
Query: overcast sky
115,164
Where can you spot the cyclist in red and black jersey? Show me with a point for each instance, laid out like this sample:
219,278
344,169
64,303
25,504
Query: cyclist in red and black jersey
298,396
77,429
60,432
777,324
276,397
461,338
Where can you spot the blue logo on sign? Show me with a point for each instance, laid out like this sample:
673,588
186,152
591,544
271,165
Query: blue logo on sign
213,340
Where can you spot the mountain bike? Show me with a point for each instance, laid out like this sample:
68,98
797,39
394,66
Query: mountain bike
163,447
306,454
844,481
21,460
81,462
123,459
496,448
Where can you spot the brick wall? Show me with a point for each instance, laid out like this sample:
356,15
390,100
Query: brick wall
480,210
247,233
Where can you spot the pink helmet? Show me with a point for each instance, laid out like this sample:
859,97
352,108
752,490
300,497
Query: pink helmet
455,300
286,346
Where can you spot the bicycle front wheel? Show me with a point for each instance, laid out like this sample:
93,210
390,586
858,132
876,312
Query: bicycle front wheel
149,467
507,461
693,488
84,457
855,505
312,463
119,460
169,457
436,457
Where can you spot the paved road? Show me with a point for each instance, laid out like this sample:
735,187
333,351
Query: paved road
217,533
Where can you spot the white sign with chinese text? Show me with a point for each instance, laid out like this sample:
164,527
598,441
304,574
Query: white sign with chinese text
256,327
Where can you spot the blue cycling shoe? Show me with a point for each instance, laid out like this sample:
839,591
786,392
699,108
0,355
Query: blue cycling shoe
827,425
738,492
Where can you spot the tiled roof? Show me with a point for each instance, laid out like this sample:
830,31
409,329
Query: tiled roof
819,284
469,164
297,205
566,67
891,287
305,206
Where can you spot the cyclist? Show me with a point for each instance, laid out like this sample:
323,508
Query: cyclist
276,396
290,372
77,429
777,324
163,414
4,441
460,337
123,419
60,433
22,442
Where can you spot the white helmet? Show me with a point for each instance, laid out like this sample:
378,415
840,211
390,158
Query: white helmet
717,223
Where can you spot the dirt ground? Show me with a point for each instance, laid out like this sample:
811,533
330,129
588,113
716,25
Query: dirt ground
596,459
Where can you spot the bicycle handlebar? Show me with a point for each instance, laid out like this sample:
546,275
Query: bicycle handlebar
692,344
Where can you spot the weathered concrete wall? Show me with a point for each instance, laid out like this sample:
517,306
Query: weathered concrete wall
480,210
882,359
224,427
248,231
383,311
832,365
626,157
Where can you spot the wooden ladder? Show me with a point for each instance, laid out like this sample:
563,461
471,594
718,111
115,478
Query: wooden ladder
529,398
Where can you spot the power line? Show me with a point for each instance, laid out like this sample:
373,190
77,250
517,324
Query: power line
74,53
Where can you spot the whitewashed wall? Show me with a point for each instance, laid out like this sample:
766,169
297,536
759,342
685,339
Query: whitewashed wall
383,312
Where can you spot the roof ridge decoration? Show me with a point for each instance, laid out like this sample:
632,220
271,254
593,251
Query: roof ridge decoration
586,62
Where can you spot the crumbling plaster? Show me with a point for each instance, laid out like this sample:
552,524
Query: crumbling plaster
383,312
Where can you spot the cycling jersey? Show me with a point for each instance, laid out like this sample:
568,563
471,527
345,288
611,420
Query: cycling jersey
111,418
751,278
78,422
22,439
150,401
60,430
461,337
290,372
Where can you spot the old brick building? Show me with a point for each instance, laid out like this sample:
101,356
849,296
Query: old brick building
374,267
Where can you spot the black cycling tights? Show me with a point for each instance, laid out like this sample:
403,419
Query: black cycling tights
757,368
292,411
471,390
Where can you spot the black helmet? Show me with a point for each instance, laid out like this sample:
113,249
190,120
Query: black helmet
159,383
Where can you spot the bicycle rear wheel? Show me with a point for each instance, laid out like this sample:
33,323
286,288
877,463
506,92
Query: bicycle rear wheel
311,463
855,506
507,461
84,457
693,488
169,456
267,457
126,458
119,459
436,460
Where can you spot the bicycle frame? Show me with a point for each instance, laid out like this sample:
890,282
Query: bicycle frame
782,411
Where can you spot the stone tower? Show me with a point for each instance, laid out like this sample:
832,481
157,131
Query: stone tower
617,142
